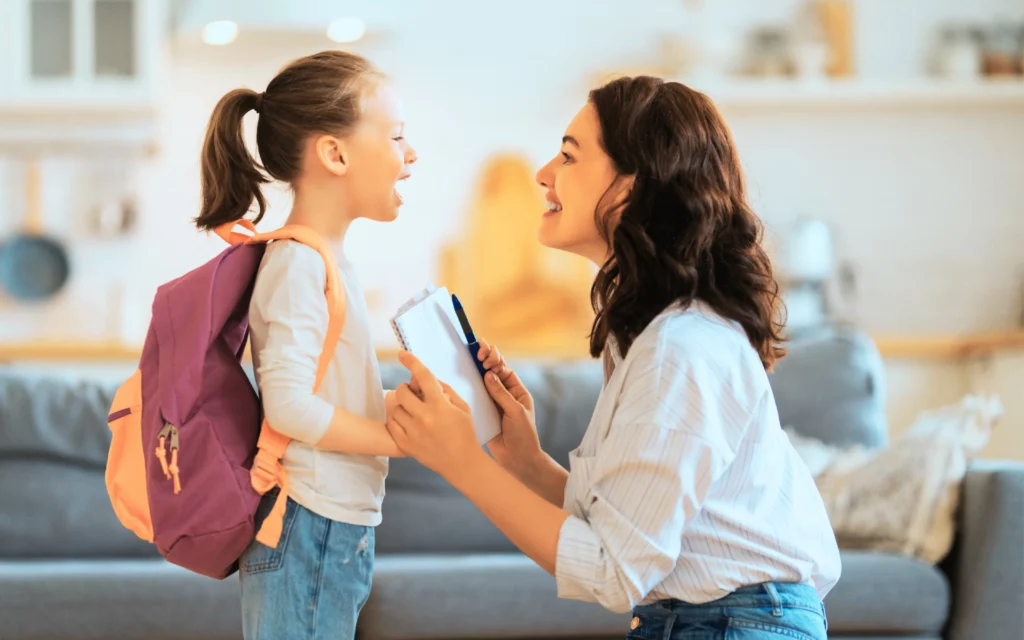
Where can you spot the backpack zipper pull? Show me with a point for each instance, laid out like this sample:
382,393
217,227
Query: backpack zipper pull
173,468
161,453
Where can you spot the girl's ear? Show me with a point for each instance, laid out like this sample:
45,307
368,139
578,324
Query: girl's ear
332,154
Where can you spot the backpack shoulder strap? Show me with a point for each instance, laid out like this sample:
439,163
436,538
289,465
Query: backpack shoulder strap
267,471
334,291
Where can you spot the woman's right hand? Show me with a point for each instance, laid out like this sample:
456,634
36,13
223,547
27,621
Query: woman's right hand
518,444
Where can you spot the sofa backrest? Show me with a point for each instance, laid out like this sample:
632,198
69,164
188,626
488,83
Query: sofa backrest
831,386
53,452
54,439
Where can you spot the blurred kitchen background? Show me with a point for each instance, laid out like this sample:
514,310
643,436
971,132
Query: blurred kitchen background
883,142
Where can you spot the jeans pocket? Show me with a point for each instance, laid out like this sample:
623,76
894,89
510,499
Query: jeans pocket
740,629
258,557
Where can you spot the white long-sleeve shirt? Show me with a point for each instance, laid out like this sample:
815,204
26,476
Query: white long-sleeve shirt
288,322
685,486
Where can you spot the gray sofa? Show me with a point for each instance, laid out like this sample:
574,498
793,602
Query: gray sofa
69,570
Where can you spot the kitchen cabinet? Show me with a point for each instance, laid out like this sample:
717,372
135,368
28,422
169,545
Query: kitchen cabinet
87,69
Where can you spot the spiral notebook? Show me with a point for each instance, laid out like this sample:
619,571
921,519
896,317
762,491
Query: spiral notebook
427,327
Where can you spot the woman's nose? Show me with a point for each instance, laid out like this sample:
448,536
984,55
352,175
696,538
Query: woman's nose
545,177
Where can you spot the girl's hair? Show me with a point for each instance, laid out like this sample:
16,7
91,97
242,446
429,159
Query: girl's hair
685,230
318,94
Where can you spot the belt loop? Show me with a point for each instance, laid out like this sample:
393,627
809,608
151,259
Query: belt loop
671,622
773,594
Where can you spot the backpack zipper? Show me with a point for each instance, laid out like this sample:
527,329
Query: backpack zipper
170,470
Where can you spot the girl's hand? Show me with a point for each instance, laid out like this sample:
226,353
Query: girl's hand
435,425
390,403
518,444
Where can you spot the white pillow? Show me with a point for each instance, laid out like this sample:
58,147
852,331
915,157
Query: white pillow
903,498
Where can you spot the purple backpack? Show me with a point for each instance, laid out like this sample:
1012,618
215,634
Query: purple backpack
190,454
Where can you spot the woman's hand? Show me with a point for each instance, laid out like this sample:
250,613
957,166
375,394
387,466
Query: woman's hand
432,424
518,445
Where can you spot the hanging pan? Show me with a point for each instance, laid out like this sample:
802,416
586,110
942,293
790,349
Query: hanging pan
33,266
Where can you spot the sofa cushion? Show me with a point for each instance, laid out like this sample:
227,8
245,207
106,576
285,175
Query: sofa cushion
887,594
60,510
831,386
46,415
476,596
448,596
115,600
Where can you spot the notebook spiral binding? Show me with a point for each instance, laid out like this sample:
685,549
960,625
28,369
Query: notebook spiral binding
400,335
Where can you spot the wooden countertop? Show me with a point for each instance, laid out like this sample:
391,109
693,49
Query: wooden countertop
890,346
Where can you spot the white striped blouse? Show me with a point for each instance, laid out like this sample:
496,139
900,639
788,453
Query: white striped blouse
685,486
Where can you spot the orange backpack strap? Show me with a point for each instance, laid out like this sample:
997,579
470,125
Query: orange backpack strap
267,470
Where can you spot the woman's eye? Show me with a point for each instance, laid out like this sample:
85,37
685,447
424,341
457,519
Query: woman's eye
567,158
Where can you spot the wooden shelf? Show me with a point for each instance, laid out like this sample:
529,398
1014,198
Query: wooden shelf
41,127
890,346
70,351
862,94
57,351
949,347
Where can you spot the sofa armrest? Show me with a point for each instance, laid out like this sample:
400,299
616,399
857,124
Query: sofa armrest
987,571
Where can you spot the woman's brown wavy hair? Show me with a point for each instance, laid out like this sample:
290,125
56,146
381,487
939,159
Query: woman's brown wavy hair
685,230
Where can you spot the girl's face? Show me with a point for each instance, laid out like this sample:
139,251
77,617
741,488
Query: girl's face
581,181
378,158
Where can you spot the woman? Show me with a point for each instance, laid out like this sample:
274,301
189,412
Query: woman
685,501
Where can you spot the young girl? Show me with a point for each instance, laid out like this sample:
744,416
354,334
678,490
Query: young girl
331,128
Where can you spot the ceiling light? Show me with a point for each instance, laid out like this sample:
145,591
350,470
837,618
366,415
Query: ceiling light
346,30
220,32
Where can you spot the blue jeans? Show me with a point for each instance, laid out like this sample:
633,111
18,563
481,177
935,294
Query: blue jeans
767,611
313,585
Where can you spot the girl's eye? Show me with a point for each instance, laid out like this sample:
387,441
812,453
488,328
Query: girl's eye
567,158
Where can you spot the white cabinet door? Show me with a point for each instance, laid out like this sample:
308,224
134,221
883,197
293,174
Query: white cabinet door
70,55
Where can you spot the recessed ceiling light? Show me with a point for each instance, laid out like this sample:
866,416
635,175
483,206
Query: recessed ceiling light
220,32
346,30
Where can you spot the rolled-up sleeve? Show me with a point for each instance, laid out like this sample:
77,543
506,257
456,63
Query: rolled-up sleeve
667,443
289,317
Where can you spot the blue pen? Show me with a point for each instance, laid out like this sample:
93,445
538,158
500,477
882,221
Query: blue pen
474,346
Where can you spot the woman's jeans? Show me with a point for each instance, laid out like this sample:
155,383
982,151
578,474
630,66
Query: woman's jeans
770,611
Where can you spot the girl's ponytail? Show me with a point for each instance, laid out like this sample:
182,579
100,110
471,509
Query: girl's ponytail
231,178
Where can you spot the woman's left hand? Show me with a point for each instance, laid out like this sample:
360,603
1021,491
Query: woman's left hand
435,425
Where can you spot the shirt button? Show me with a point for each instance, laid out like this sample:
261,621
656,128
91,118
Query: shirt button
634,623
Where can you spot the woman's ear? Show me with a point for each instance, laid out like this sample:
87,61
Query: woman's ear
332,154
618,194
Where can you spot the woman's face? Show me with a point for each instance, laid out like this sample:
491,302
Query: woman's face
580,181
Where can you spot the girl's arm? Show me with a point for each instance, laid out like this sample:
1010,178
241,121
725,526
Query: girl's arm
289,323
349,433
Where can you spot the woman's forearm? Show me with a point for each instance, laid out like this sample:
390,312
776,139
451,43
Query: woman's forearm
350,433
545,477
529,520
